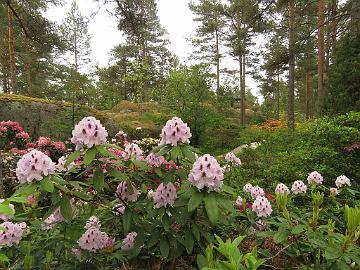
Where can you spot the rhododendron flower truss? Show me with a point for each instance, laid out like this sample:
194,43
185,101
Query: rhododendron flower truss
126,194
60,166
262,207
128,242
165,195
132,151
154,160
342,181
247,187
281,189
315,177
230,157
89,132
298,187
257,191
239,202
207,173
175,131
34,165
12,233
6,217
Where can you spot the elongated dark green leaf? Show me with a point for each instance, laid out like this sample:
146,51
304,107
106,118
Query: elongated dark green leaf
72,157
187,152
4,258
117,174
195,201
212,208
65,208
27,189
89,155
81,195
196,232
47,185
98,179
164,247
164,150
105,152
18,198
280,236
154,238
175,152
189,241
127,220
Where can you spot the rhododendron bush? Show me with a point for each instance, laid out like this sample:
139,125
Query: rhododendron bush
105,204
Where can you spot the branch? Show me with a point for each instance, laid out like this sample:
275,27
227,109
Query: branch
18,18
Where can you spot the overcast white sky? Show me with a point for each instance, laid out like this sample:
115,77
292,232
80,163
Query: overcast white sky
174,15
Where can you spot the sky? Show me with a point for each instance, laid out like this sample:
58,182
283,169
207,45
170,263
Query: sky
174,15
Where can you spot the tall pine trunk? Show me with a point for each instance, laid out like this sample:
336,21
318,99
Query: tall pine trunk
243,101
355,20
11,52
333,30
321,54
217,63
240,88
291,86
4,66
278,95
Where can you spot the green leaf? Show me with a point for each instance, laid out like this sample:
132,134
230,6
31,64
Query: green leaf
189,241
98,179
5,208
201,261
185,149
154,238
4,258
164,247
105,152
18,198
65,208
175,152
46,185
90,155
81,195
196,232
26,189
195,201
164,150
127,217
212,208
71,158
117,174
280,236
298,229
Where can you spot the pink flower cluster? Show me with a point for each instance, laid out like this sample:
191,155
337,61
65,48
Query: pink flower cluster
60,166
165,195
247,187
132,151
121,137
174,131
52,220
315,177
230,157
124,194
23,135
206,173
10,126
118,152
154,160
94,239
89,132
128,242
43,141
281,189
12,233
334,191
342,181
119,209
34,165
256,191
6,217
298,187
262,207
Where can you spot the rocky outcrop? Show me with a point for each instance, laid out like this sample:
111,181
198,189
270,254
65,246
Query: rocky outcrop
41,117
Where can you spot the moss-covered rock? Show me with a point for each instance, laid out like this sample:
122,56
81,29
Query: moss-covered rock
42,117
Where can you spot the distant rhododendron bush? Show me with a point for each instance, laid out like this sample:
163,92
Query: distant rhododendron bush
107,202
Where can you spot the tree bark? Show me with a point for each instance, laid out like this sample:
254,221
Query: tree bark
333,30
217,63
11,52
4,67
243,99
291,86
240,88
308,83
278,95
321,54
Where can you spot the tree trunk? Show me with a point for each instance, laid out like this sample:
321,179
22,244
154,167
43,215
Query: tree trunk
243,100
11,52
240,88
291,115
308,83
333,30
4,67
217,63
355,20
278,95
321,54
27,70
